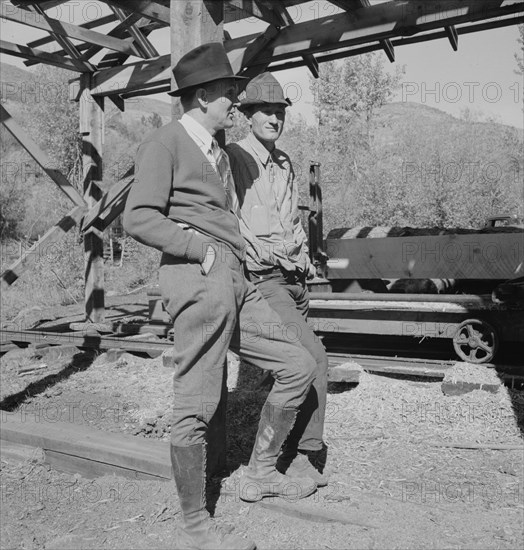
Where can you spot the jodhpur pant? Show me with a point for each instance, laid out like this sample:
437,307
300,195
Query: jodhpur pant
212,313
290,299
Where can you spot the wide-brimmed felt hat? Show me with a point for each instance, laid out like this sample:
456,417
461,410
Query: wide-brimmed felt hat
264,89
206,63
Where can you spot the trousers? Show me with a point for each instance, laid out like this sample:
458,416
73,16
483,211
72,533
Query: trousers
289,297
212,313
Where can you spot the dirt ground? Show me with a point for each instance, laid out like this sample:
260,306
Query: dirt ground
392,484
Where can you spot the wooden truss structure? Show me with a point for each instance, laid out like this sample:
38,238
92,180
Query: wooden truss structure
296,33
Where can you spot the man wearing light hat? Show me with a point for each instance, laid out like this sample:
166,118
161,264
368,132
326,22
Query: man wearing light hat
277,256
182,203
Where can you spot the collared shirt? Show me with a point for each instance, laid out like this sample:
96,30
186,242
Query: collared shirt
268,201
199,135
210,148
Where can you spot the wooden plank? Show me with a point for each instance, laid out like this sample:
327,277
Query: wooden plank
42,246
112,450
116,195
435,35
155,11
92,130
415,325
487,256
118,32
39,56
83,340
89,25
91,469
451,31
239,9
133,76
406,370
40,157
141,42
62,28
349,5
323,34
68,47
379,22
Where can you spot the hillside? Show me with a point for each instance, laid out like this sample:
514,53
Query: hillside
20,87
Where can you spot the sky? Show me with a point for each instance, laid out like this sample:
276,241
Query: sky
480,76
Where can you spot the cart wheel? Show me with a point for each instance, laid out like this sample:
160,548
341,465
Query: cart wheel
475,341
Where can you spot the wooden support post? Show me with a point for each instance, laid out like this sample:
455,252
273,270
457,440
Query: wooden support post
42,247
316,239
92,130
195,22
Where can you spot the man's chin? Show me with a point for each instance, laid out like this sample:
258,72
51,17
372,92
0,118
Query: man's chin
228,124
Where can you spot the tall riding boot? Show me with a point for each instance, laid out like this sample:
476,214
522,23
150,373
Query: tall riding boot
199,531
261,478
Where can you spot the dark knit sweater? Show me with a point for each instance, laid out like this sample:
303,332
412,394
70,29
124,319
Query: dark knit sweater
175,182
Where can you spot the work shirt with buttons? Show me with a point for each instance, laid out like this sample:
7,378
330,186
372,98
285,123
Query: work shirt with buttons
268,204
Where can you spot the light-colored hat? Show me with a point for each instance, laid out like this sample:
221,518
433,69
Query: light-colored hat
264,89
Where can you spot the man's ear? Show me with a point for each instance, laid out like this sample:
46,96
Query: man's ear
201,97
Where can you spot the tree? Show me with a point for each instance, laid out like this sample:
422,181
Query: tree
54,122
519,57
346,98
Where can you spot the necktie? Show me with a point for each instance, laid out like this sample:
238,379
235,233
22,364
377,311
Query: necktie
223,169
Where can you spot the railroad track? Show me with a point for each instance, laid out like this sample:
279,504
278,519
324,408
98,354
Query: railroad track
344,363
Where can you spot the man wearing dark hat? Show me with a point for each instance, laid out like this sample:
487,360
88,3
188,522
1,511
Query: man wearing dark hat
182,202
277,256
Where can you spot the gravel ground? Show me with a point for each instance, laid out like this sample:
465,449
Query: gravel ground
392,484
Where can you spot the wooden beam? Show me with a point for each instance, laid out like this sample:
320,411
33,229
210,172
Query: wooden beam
163,88
89,25
346,5
117,191
93,452
38,56
381,21
133,76
488,256
40,157
240,9
43,246
141,42
309,59
115,59
156,11
336,32
452,35
468,29
117,32
62,28
44,4
68,47
92,130
249,56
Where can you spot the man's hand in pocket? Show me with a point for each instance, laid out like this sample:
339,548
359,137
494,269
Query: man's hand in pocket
209,260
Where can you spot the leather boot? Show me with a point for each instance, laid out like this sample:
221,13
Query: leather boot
303,464
199,531
261,478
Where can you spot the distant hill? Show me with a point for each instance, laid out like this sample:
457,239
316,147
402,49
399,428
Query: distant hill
18,86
